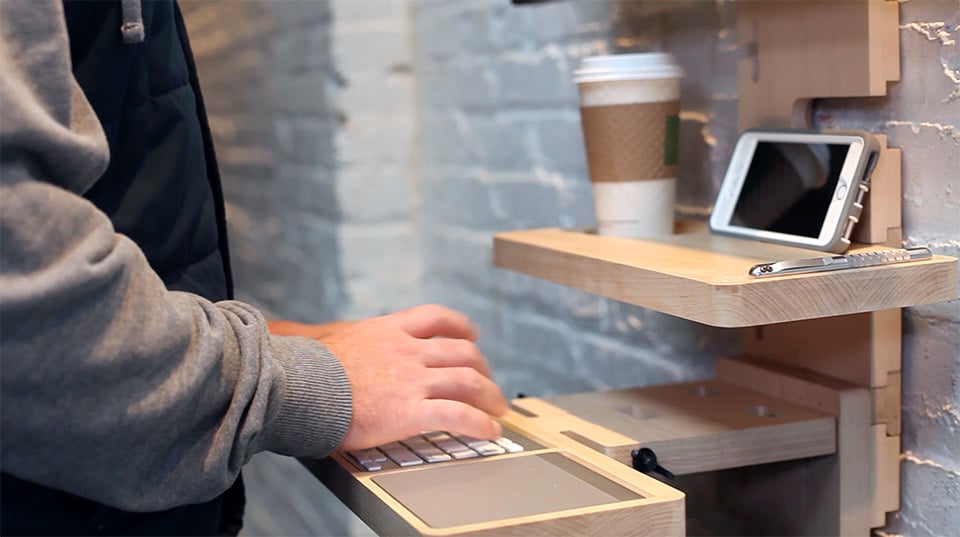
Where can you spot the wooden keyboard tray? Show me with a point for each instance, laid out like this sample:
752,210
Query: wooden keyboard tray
400,501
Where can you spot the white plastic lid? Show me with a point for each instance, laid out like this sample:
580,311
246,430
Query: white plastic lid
637,66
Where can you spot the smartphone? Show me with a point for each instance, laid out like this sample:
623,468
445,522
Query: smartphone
800,188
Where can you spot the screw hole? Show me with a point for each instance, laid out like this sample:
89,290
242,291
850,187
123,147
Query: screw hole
762,411
638,412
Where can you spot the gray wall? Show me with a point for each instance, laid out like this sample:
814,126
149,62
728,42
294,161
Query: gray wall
372,147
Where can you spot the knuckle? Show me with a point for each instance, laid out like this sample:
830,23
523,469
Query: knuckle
471,382
470,352
458,413
462,348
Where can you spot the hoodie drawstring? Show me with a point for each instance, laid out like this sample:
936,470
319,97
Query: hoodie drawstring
132,27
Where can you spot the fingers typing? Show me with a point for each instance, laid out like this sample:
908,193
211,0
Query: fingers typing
465,385
454,353
456,417
432,320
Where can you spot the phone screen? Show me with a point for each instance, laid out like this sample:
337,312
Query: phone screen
789,187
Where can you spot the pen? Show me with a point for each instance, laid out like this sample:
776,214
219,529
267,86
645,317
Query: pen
838,262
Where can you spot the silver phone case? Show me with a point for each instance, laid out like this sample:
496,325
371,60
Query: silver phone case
852,208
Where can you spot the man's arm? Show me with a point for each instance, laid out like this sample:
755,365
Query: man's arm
115,389
112,387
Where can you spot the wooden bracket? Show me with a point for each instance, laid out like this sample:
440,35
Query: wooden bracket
837,497
805,50
880,222
864,351
800,51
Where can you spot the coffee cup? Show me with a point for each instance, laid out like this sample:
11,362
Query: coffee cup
629,110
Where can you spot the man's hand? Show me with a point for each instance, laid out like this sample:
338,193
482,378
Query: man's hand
412,371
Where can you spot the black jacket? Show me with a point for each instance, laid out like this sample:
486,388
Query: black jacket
161,189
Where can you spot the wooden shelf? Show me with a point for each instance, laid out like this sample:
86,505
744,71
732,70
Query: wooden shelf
700,276
692,427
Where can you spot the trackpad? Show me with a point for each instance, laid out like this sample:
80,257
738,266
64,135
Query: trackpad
500,488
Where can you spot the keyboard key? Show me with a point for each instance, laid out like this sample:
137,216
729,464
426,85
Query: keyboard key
368,455
403,457
488,448
450,445
471,441
432,454
371,466
416,443
465,454
432,447
509,445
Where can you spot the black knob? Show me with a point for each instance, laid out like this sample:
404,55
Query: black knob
645,460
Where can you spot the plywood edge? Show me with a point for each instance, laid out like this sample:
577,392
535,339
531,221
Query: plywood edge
886,425
886,469
795,298
887,401
857,455
642,520
886,345
884,39
534,407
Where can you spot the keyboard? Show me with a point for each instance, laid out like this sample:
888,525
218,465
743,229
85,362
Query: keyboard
429,448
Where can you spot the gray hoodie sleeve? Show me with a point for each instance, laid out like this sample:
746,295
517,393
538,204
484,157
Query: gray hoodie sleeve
112,387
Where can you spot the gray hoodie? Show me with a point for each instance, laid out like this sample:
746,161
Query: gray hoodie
112,387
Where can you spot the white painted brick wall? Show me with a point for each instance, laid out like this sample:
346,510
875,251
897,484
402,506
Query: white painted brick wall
266,71
375,141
